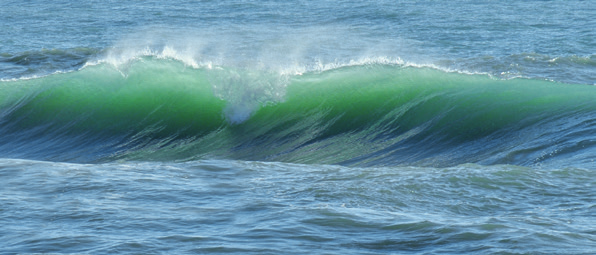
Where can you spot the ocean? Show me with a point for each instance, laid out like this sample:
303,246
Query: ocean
297,127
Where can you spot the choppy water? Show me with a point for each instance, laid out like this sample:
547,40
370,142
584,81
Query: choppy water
255,207
298,127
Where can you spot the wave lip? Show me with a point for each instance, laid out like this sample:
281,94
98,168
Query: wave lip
371,114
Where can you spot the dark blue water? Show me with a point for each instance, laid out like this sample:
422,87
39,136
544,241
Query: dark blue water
328,127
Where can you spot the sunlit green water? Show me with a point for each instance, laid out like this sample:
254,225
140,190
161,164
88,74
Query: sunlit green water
324,127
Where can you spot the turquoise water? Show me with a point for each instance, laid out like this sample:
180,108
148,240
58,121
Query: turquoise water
297,127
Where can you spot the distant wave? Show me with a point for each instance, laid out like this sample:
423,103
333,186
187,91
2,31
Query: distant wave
369,113
31,64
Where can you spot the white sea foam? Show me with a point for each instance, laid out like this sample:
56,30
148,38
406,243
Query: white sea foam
264,49
249,71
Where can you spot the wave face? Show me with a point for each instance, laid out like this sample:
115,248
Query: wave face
363,114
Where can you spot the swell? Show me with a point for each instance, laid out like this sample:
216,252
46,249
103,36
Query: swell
43,62
367,115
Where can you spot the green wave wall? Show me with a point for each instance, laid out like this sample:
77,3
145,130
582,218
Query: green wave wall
156,109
